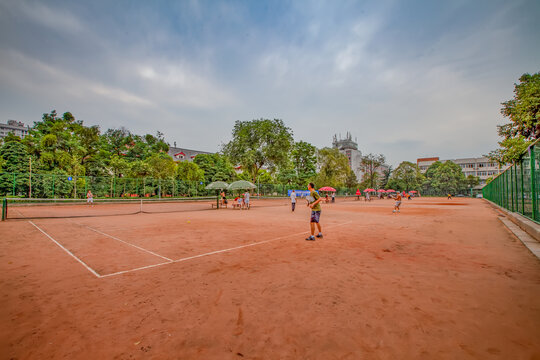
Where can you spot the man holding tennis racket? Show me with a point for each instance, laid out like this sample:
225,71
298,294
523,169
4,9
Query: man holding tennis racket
314,200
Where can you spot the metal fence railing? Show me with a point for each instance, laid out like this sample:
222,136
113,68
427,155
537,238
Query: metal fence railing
518,187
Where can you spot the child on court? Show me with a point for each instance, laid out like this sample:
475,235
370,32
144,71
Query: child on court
240,201
314,203
398,202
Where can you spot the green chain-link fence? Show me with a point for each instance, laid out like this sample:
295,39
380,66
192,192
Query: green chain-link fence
517,188
37,185
67,186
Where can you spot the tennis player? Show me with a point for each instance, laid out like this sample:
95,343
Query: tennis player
398,202
90,198
314,201
293,200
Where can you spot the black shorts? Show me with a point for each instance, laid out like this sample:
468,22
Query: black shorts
315,216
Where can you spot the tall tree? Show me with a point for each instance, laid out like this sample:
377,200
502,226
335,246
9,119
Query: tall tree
161,166
15,159
448,177
216,167
369,164
259,143
523,111
386,176
333,167
406,176
189,171
304,159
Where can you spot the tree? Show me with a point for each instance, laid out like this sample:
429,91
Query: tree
264,177
189,171
161,166
386,177
369,164
118,166
351,181
472,181
523,111
304,160
259,143
406,176
15,159
446,177
333,167
216,167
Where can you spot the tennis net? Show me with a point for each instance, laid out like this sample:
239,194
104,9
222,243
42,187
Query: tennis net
17,208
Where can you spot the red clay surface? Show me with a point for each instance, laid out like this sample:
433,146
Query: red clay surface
433,282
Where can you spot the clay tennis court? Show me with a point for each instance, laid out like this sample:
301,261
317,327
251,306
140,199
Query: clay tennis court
444,279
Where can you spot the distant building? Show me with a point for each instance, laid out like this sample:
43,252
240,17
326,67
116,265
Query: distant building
350,148
482,167
15,127
182,154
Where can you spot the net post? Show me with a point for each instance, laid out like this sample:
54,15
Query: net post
533,185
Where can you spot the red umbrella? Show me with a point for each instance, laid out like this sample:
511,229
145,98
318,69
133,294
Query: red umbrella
358,192
369,190
390,190
413,191
381,190
327,188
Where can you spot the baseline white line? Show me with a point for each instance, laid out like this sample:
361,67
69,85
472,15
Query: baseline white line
141,268
67,251
217,252
125,242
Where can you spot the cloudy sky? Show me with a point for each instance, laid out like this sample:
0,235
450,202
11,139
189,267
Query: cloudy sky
407,78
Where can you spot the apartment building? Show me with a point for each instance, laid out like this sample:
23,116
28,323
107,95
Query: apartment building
15,127
481,167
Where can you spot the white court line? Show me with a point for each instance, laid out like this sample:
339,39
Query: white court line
66,250
141,268
217,251
125,242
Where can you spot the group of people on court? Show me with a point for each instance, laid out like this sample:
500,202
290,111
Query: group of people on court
241,201
314,202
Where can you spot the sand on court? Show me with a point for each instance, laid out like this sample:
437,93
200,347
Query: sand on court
444,279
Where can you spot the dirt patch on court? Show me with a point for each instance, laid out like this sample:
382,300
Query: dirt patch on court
423,284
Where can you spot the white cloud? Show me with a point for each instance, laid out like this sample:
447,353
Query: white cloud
55,18
34,76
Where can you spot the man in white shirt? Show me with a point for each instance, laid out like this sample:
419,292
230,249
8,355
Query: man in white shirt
293,200
246,199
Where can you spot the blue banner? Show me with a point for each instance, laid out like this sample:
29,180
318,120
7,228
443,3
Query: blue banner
300,193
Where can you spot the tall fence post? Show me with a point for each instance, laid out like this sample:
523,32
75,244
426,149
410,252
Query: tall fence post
516,193
511,187
522,188
533,183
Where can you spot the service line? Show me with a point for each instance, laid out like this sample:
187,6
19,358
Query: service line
67,251
127,243
217,251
